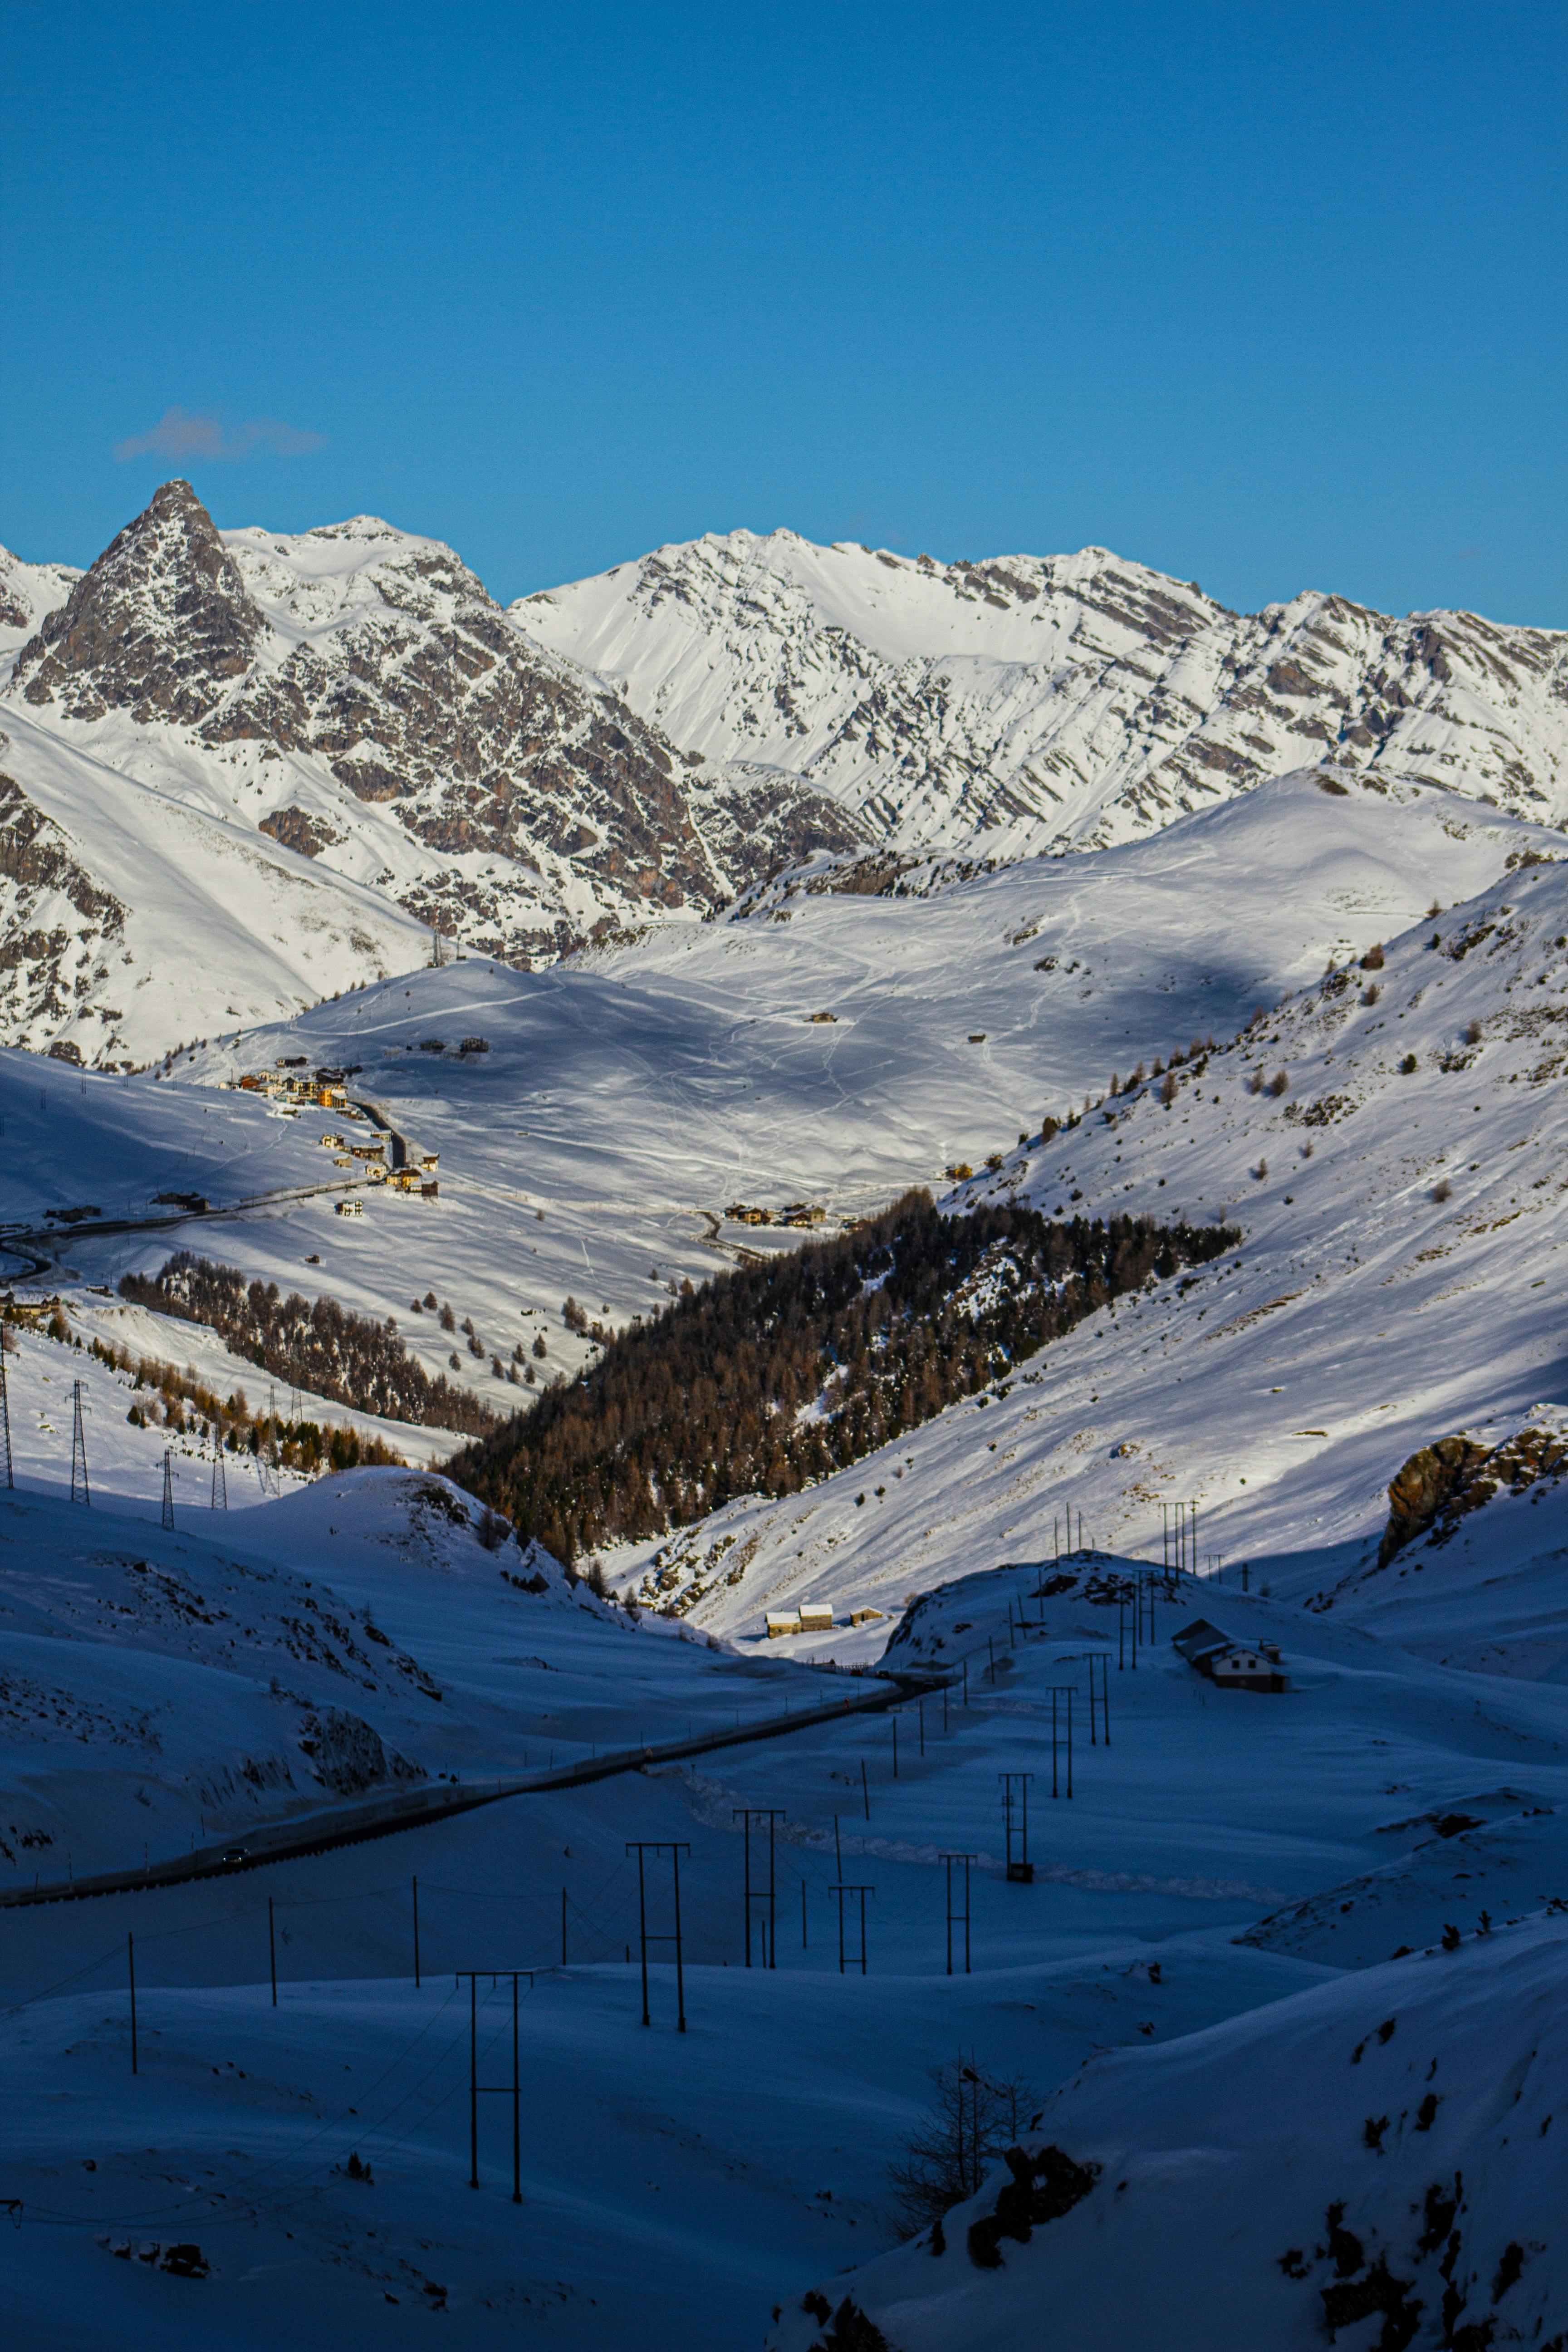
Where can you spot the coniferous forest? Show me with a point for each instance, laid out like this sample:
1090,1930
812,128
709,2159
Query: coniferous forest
315,1344
772,1377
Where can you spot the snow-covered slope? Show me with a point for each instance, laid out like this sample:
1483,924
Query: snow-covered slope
1391,1143
28,591
634,1095
1379,2162
1059,702
354,694
138,915
676,2188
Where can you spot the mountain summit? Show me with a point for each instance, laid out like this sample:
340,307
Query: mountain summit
355,695
159,625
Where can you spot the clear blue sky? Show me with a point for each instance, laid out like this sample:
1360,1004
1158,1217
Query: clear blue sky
1269,296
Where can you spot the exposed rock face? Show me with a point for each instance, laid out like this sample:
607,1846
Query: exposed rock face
57,927
297,830
1059,702
1441,1485
347,1755
754,820
158,626
430,703
1424,1487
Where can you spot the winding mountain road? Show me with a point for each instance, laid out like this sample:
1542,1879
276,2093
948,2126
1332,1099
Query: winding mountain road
338,1825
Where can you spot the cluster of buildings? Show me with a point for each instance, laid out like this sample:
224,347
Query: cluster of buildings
382,1157
793,1212
814,1617
291,1081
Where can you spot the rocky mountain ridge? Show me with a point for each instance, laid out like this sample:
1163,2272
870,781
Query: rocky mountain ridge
207,728
353,694
1028,704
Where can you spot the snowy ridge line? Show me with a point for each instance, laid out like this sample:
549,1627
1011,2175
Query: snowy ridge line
338,1825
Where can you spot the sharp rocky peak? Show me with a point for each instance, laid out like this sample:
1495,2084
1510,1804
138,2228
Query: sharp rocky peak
159,626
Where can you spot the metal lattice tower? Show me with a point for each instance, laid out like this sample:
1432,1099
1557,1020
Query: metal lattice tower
168,1489
81,1490
220,1481
6,1422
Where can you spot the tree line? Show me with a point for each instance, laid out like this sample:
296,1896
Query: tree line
314,1344
772,1377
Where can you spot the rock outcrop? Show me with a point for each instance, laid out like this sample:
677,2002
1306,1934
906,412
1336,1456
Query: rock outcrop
1441,1483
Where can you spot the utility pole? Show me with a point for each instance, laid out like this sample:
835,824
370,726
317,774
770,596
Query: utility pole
1015,1827
1100,1693
5,1418
675,1848
1060,1691
957,1918
748,1814
512,2090
168,1490
81,1491
861,1892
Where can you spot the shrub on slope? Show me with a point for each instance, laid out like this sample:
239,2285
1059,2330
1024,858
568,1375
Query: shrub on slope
779,1374
317,1344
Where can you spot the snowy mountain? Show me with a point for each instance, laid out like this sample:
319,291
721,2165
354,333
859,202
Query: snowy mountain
305,748
1050,703
336,739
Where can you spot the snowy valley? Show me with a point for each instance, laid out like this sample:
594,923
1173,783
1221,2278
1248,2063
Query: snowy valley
773,884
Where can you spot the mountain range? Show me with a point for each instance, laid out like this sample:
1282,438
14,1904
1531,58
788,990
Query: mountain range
316,758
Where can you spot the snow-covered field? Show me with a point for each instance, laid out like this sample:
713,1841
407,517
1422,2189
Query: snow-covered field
1209,1938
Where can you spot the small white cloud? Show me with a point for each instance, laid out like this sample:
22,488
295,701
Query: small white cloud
179,434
